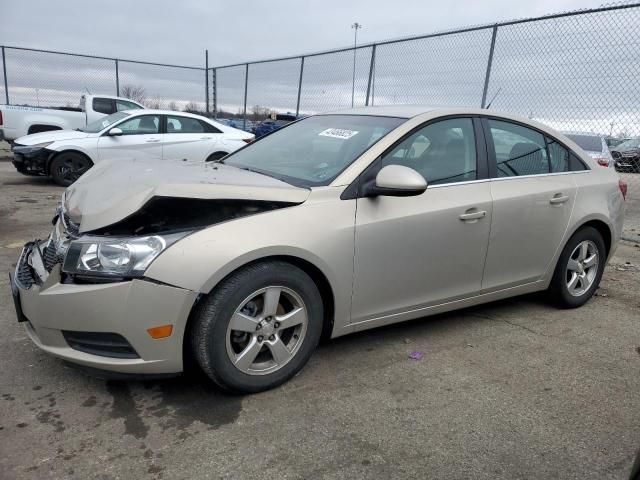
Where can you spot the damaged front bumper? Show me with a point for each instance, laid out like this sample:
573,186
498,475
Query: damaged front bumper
102,326
31,160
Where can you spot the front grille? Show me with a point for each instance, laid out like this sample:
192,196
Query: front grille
111,345
24,273
51,257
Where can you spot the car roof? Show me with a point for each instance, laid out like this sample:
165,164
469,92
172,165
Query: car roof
147,111
401,111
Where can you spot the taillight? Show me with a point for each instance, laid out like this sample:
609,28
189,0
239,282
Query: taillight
0,117
603,161
622,185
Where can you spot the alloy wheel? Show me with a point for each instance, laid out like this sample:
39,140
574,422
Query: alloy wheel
582,268
266,330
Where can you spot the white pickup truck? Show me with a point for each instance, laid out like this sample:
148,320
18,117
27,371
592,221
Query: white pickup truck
17,121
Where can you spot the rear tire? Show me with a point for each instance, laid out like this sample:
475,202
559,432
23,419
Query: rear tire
579,269
216,156
67,167
258,328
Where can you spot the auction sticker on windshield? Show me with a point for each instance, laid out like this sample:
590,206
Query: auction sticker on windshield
338,133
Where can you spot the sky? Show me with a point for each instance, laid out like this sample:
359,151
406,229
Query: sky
240,30
575,73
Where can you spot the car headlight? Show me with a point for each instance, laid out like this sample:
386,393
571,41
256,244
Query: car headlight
30,148
116,256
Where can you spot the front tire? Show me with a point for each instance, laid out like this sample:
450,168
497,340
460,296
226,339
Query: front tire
579,269
258,328
67,167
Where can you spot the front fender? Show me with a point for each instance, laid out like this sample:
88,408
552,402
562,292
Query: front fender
318,232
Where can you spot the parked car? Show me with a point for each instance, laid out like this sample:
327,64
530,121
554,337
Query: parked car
595,146
391,214
133,134
627,156
614,142
271,124
18,120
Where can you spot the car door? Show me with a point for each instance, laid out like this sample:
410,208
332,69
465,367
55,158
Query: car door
189,138
532,204
413,252
140,139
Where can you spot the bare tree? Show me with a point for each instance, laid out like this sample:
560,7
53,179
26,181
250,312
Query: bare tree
173,105
191,107
136,93
155,102
259,113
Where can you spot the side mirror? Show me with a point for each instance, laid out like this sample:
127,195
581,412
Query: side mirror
114,132
396,181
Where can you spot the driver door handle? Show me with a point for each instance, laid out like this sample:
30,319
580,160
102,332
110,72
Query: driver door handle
471,216
153,140
558,198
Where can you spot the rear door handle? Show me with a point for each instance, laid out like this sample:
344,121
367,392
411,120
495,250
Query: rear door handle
473,216
558,198
205,138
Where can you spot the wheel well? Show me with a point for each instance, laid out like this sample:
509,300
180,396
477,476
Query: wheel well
220,152
603,229
57,154
326,293
42,128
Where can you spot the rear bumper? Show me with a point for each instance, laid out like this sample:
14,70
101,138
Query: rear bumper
31,161
51,310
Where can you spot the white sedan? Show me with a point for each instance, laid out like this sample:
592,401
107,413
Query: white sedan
133,134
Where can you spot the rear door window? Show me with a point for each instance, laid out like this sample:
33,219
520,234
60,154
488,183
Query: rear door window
558,156
179,124
519,150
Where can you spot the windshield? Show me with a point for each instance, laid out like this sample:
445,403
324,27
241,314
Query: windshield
313,151
589,143
104,122
629,144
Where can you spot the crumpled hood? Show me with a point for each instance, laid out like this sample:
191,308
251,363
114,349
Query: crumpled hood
112,191
53,136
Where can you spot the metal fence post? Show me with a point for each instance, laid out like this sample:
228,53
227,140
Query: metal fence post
489,62
300,85
246,82
6,84
117,79
214,92
206,78
373,59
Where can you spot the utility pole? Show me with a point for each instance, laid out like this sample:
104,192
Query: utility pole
356,26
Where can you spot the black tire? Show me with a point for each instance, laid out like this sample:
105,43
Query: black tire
67,167
211,321
216,156
558,289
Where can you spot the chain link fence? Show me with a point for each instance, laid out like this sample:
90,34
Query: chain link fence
576,71
58,79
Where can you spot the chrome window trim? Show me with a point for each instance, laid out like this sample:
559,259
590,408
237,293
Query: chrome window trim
500,179
451,184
